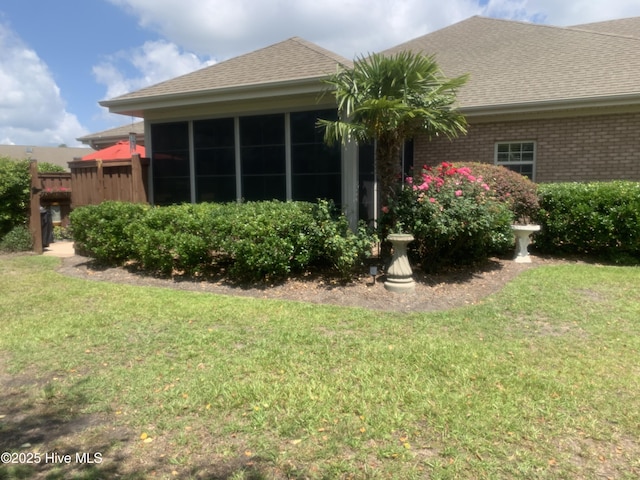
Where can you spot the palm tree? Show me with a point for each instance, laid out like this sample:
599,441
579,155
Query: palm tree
390,99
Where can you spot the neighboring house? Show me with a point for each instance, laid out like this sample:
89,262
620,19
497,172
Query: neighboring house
56,155
553,103
108,138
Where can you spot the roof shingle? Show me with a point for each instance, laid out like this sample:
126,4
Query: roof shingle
513,62
628,27
292,59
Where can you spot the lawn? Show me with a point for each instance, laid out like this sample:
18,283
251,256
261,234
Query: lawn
539,381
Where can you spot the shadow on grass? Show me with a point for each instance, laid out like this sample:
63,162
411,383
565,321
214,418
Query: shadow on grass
47,436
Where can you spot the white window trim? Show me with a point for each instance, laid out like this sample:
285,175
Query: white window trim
505,164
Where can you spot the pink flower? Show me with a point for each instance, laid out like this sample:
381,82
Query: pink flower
385,209
432,200
458,193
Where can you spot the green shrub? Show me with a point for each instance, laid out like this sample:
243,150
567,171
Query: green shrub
251,241
334,242
62,233
17,240
520,193
453,216
46,167
15,182
268,239
174,239
100,230
275,239
14,194
599,218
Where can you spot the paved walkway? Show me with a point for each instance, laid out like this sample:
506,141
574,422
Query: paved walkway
61,249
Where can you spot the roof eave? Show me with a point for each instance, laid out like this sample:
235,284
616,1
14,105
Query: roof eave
609,101
137,106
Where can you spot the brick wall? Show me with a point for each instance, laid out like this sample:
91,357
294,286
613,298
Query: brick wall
602,147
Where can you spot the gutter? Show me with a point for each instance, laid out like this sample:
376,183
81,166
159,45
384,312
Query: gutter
606,101
225,94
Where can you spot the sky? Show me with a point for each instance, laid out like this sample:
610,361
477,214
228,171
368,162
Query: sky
58,59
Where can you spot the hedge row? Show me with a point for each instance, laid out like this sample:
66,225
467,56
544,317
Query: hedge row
271,240
599,218
251,241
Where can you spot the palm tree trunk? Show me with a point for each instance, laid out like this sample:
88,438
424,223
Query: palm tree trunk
388,177
387,169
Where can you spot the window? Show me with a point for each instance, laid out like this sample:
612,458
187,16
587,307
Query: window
215,163
315,167
517,156
263,157
171,171
258,157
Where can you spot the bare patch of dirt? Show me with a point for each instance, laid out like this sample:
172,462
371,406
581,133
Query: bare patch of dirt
443,291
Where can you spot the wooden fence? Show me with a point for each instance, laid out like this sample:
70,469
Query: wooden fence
94,181
90,182
55,183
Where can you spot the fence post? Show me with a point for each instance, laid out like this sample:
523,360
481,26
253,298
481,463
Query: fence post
99,181
137,184
35,221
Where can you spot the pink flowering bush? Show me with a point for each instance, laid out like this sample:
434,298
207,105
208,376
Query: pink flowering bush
453,215
511,187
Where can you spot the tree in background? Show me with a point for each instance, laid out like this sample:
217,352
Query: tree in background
15,184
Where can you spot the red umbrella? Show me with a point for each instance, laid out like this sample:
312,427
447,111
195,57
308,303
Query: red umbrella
119,151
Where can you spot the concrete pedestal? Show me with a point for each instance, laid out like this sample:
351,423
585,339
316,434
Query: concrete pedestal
523,239
399,275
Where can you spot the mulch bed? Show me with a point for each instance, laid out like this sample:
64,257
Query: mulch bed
433,292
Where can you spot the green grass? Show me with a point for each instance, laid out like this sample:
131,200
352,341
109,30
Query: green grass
538,381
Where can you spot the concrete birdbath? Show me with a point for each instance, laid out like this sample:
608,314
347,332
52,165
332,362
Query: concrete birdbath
523,239
399,274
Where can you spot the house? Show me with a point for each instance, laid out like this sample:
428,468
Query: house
108,138
553,103
556,104
55,155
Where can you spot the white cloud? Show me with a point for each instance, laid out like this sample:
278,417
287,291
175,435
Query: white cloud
565,13
31,108
140,67
225,28
149,64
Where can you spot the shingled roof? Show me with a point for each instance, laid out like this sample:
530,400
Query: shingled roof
628,27
292,60
513,67
106,138
520,65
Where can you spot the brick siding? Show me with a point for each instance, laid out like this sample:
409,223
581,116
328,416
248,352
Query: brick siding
604,147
